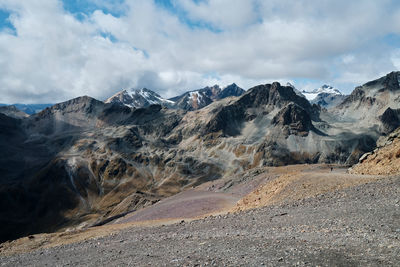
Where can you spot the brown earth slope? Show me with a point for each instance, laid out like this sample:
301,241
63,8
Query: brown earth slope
383,160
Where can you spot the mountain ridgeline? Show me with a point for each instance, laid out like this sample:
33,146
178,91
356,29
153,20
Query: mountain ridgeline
81,162
191,100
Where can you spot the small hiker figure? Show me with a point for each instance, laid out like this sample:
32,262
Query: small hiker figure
331,168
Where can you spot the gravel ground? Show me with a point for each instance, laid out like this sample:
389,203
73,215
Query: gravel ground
188,204
358,226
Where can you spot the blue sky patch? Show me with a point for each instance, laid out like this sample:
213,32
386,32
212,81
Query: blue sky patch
81,8
182,15
107,35
5,24
211,75
392,40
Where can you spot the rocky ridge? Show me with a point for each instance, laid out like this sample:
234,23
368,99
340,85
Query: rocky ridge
200,98
367,102
192,100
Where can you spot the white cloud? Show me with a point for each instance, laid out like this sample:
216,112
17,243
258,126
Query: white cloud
55,56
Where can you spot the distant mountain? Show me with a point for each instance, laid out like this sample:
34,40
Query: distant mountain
30,108
328,100
197,99
295,90
376,101
200,98
139,98
13,112
326,96
325,89
231,90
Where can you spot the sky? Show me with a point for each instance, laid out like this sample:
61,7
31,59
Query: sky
55,50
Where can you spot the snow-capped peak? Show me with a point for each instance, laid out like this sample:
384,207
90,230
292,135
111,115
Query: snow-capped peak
139,98
327,89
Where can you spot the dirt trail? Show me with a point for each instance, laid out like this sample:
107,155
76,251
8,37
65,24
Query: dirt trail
188,204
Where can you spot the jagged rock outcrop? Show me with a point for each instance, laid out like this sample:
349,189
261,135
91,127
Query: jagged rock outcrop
390,120
294,120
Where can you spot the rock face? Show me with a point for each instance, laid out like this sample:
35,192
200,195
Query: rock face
294,119
390,120
82,162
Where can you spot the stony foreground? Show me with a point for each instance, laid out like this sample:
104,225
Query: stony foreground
358,226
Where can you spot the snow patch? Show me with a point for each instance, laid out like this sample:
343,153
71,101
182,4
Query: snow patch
310,96
194,94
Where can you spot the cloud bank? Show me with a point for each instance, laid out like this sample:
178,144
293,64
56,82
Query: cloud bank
54,52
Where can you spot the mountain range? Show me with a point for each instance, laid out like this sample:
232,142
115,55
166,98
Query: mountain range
82,162
29,108
325,96
191,100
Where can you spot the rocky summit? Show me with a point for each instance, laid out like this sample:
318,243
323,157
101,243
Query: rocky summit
84,162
